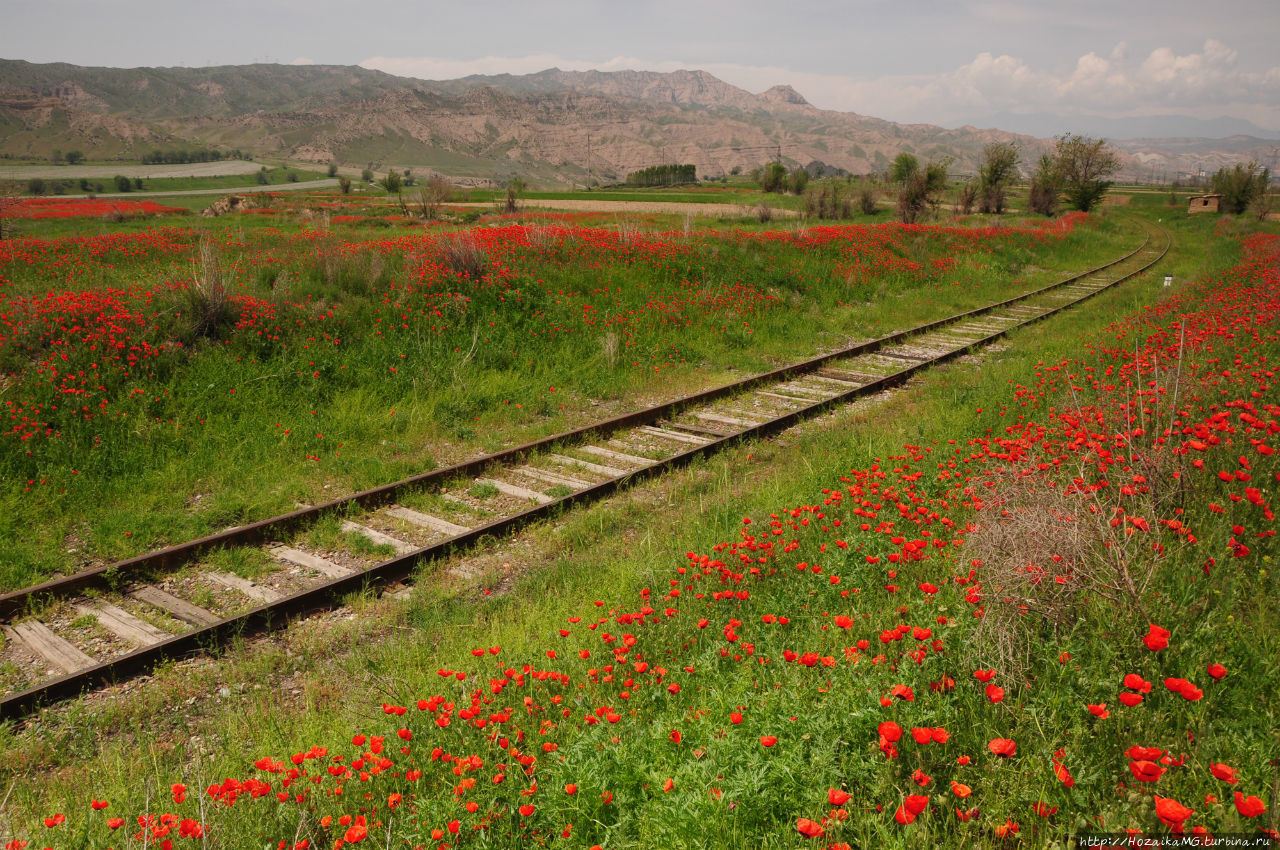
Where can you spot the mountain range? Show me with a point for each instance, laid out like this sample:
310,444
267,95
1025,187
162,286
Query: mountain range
552,127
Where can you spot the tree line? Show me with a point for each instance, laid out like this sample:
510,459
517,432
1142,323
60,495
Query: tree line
663,175
181,157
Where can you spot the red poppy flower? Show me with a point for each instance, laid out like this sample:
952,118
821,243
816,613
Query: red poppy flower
837,796
1223,772
1217,671
1043,810
916,803
768,740
526,810
809,828
922,735
940,735
735,718
1140,753
902,692
984,676
1146,771
1130,699
960,789
1157,638
995,693
1003,747
675,736
98,805
890,731
1099,710
1249,806
1137,683
1171,811
1064,775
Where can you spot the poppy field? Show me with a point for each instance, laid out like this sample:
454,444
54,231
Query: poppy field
1055,618
165,381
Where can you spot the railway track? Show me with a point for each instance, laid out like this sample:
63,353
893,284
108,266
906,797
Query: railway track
116,621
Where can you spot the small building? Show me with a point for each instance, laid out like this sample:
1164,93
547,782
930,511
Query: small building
1204,203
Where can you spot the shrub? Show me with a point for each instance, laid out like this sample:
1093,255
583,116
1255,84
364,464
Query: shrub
868,202
1240,185
466,257
205,306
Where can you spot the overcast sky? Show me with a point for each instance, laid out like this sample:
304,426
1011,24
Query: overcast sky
937,61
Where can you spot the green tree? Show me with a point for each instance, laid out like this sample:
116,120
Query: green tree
999,166
344,185
515,188
75,157
391,183
333,169
366,175
774,177
1045,185
1240,185
798,180
36,186
262,177
1084,166
920,193
123,184
905,166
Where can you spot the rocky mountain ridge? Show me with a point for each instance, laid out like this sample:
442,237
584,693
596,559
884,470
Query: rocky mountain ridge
551,127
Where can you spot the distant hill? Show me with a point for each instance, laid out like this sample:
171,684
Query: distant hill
551,127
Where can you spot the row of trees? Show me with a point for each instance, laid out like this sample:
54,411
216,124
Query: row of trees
163,157
1078,172
663,175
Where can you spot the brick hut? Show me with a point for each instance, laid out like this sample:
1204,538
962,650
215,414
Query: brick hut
1204,203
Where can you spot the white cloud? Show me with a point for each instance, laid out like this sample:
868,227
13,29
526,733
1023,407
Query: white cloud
1207,83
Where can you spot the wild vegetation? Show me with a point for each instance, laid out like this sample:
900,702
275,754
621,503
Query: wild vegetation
874,637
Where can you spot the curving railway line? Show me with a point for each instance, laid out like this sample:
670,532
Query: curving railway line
146,603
